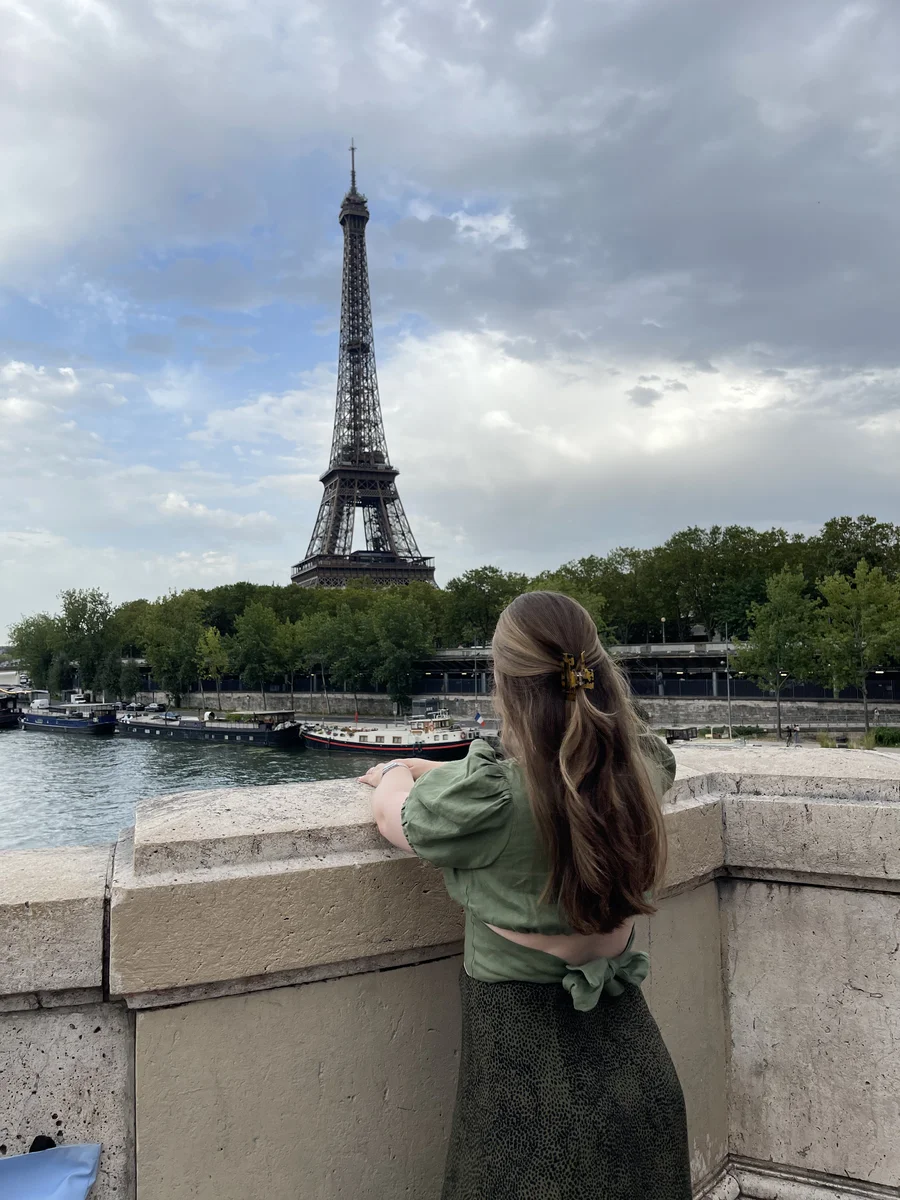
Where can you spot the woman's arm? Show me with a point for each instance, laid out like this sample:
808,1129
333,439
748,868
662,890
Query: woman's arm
391,789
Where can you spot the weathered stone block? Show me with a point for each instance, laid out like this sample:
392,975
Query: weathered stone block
859,838
68,1073
51,918
814,1010
686,995
328,1090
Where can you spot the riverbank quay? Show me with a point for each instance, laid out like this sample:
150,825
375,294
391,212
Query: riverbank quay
813,716
250,993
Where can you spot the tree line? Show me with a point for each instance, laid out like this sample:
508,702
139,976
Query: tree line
717,580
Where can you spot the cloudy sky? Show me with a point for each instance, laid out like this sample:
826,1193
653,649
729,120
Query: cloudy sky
635,265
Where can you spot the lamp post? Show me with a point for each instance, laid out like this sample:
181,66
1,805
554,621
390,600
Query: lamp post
662,621
728,682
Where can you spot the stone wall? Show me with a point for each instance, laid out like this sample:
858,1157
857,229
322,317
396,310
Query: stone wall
259,993
811,715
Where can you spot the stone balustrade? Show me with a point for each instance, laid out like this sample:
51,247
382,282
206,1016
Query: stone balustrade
252,995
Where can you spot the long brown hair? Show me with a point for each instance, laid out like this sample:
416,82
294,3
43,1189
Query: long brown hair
593,803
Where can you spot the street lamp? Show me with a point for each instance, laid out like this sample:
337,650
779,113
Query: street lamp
728,683
662,621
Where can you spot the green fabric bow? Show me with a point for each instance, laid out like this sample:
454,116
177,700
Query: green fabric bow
586,984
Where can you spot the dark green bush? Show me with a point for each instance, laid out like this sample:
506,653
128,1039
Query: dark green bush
887,736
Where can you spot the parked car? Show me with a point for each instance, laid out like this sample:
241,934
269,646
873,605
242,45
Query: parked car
153,707
134,707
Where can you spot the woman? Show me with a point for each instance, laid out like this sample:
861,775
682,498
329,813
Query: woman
566,1090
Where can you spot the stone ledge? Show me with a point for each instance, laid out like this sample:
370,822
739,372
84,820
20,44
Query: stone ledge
841,839
267,983
194,832
51,919
782,1183
212,925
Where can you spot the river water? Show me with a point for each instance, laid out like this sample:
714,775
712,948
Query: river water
69,791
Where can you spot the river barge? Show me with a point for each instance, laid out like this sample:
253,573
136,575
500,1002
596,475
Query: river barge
277,729
433,736
91,720
10,709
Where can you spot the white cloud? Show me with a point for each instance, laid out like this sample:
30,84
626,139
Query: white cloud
173,504
490,228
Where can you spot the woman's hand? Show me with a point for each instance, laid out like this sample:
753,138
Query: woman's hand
373,776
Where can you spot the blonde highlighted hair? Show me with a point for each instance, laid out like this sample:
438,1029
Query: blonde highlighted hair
593,802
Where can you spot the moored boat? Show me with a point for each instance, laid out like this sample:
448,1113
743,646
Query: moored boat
433,736
241,729
85,719
10,708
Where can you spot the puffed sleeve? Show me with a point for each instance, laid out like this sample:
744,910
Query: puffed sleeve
460,815
661,759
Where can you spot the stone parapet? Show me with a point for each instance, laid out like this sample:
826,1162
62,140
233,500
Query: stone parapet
296,1020
52,907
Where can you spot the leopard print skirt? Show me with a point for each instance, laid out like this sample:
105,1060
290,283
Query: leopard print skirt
555,1104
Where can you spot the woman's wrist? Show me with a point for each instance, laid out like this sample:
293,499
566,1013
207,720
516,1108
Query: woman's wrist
389,766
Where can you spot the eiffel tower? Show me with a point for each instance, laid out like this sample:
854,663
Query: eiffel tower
359,473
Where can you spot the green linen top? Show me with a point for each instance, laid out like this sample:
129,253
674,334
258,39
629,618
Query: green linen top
473,819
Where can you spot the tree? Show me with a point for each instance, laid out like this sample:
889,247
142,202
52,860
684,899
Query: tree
212,659
844,541
255,637
130,679
569,584
860,627
782,639
108,676
87,633
354,651
291,651
36,642
128,624
477,599
61,674
172,629
401,636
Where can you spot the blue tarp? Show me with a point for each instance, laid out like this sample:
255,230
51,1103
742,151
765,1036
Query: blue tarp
65,1173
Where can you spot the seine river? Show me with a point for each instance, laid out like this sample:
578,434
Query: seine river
64,791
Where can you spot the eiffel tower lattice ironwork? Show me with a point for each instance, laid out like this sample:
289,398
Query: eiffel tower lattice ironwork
359,473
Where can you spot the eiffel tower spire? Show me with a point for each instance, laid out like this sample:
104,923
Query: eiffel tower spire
359,472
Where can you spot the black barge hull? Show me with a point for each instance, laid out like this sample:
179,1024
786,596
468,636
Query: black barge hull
283,739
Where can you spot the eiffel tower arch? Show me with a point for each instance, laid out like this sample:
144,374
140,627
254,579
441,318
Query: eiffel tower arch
359,474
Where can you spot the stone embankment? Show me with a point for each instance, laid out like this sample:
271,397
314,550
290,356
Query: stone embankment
251,994
812,715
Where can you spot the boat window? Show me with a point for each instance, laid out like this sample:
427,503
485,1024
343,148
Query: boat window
250,738
362,738
396,741
379,739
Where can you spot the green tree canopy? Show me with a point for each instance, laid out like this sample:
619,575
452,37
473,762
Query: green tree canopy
859,627
402,635
130,679
478,597
87,633
783,636
212,658
255,645
36,640
172,627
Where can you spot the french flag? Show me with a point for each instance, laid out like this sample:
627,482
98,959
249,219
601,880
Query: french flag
479,719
